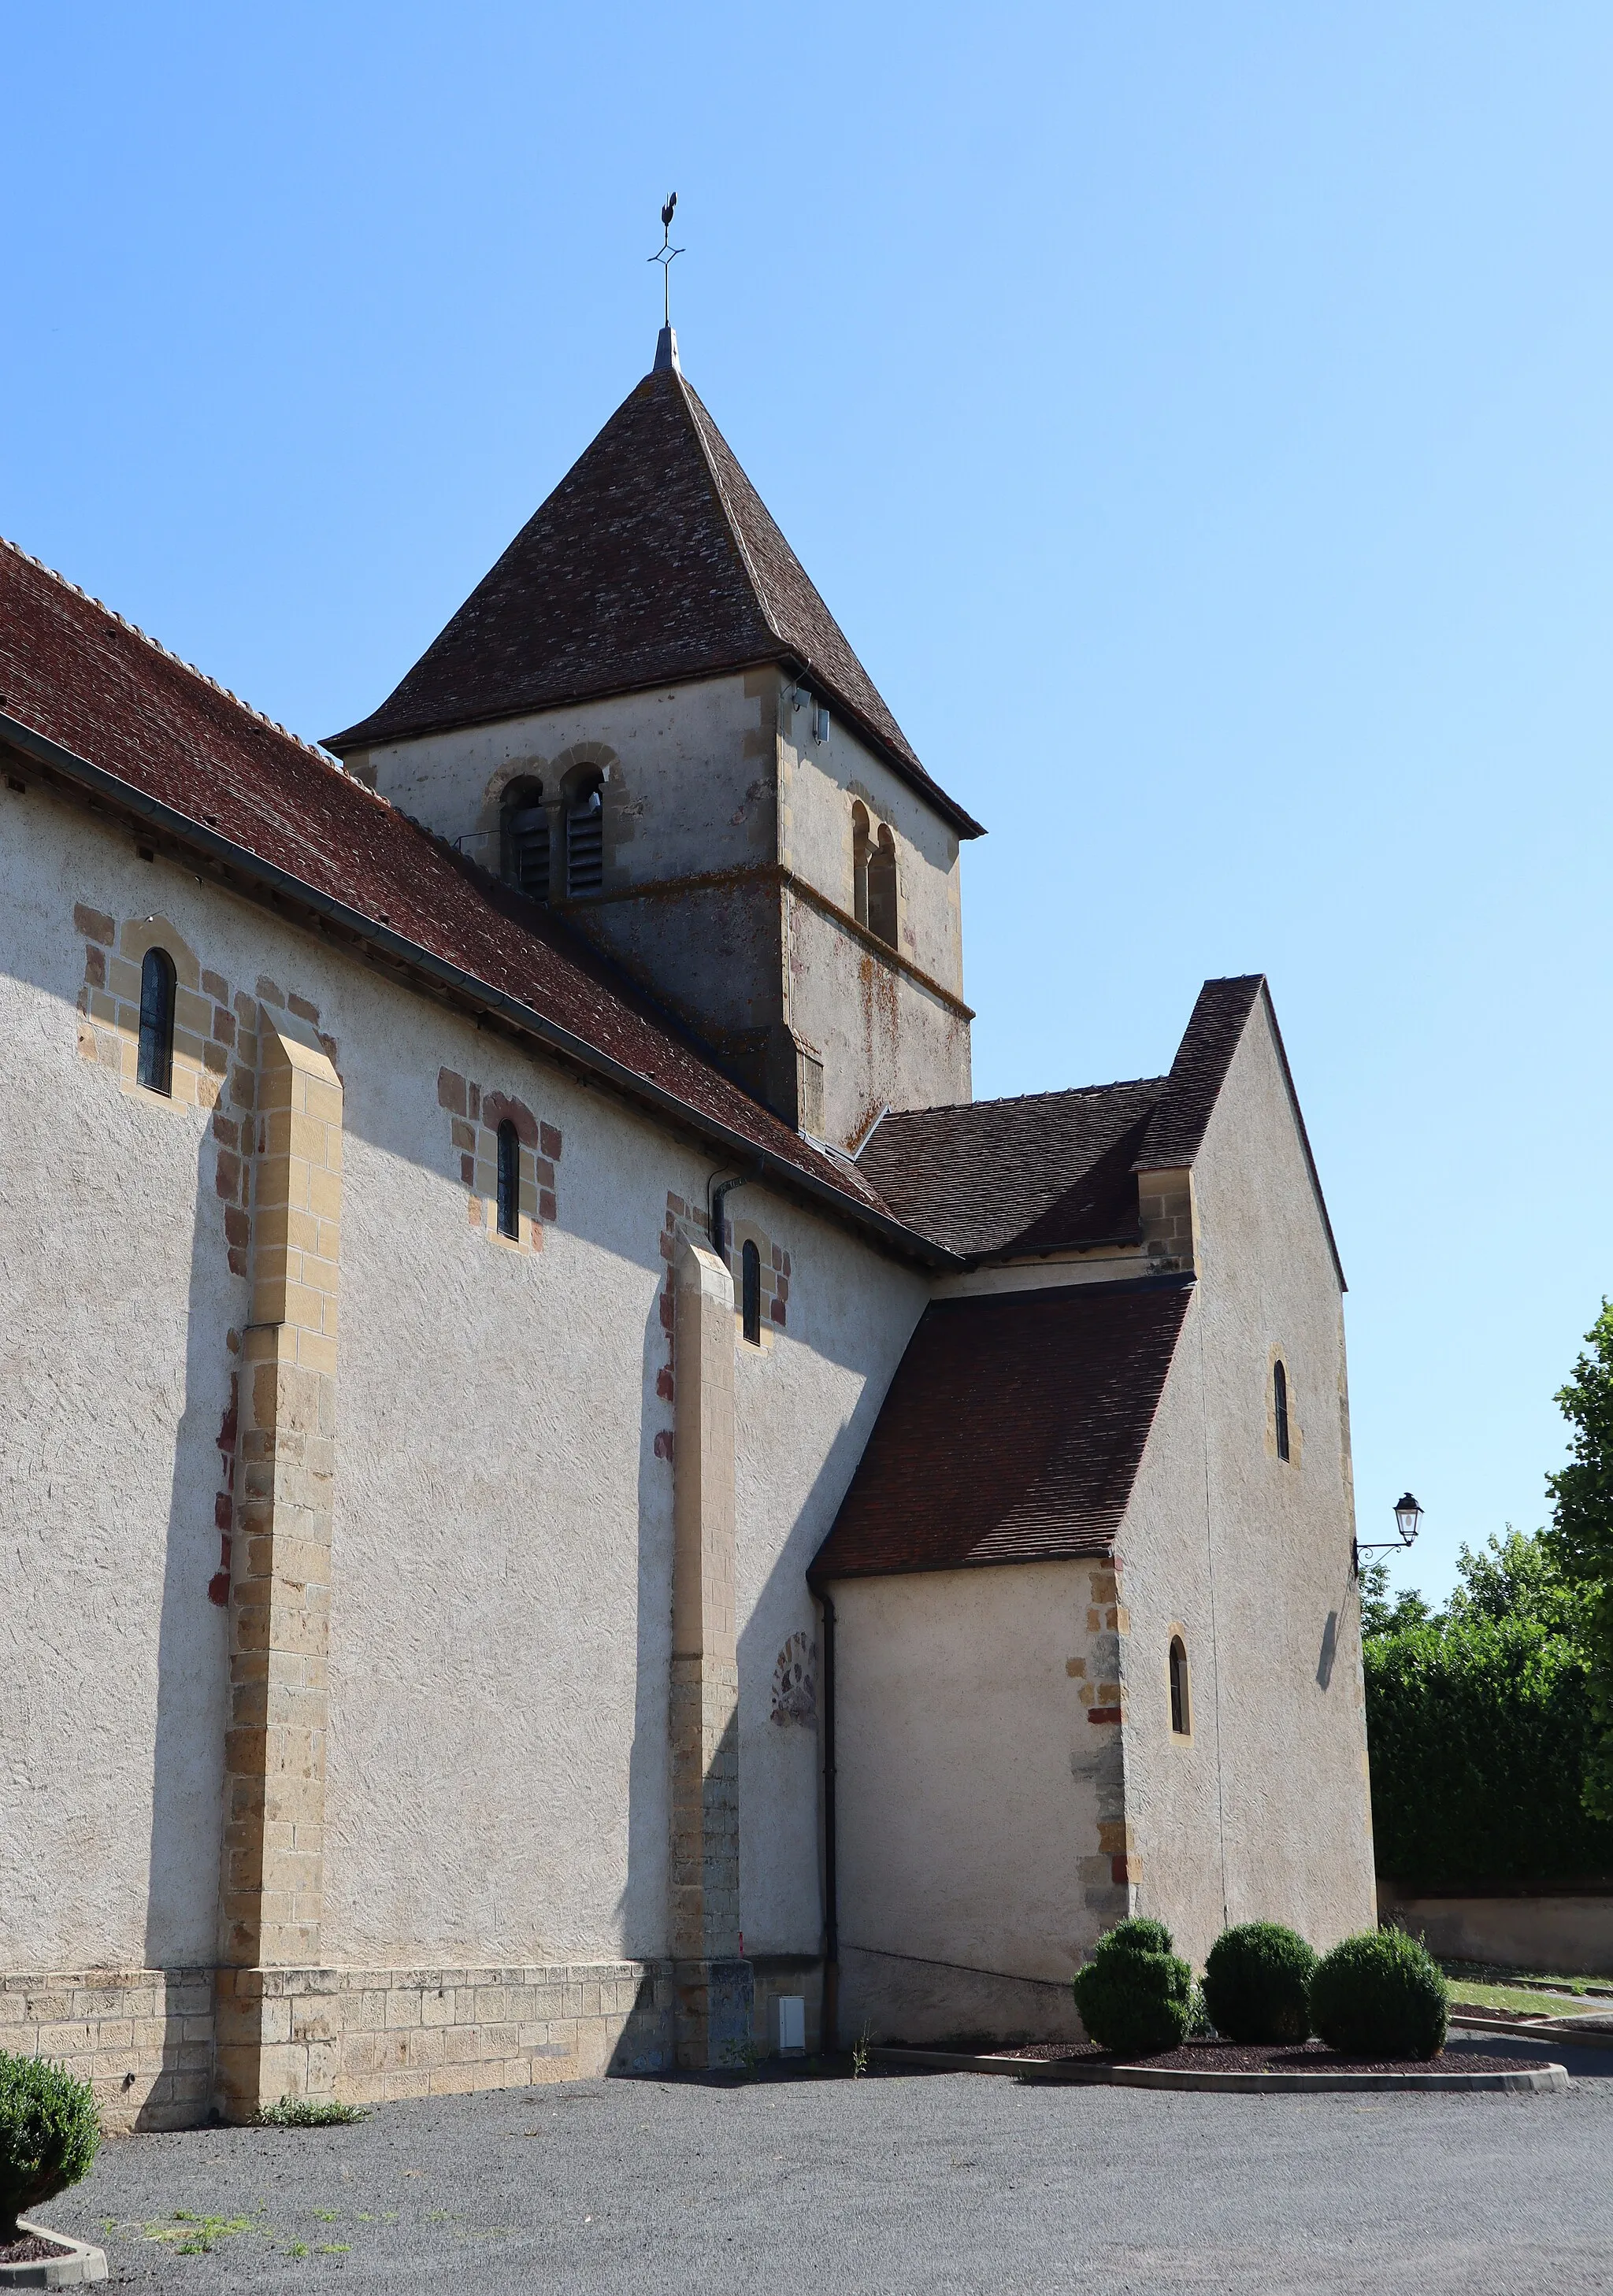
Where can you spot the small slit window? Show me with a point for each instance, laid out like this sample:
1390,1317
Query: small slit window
585,843
155,1071
1279,1405
750,1294
1181,1711
509,1179
524,822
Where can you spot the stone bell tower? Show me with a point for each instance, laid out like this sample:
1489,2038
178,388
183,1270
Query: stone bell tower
646,717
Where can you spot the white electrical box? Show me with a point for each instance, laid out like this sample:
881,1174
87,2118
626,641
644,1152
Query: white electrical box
791,2024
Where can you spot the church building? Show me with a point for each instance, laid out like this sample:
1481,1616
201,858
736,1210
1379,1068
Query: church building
572,1503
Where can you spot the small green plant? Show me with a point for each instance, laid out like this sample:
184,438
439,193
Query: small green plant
745,2056
1380,1995
193,2235
1256,1983
49,2132
859,2054
1135,1996
309,2113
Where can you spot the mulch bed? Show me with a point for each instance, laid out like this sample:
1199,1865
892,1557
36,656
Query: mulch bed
30,2249
1234,2057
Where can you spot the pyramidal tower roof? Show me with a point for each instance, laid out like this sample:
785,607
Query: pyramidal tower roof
654,561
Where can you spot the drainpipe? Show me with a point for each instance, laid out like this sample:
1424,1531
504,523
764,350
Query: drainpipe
829,2038
715,1200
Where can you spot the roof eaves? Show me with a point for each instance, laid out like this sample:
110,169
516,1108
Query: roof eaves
54,758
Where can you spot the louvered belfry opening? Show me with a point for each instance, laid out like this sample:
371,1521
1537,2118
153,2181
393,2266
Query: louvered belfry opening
585,843
526,840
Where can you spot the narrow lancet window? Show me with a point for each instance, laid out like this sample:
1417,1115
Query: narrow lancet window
509,1179
1181,1712
155,1071
881,887
1280,1401
862,844
750,1294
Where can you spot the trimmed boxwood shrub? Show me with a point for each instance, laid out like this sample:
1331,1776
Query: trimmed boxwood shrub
49,2131
1380,1995
1256,1983
1135,1996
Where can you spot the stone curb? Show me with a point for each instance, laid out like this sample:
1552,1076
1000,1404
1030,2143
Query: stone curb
1548,2029
81,2264
1537,2079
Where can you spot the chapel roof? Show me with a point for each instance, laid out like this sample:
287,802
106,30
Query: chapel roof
1012,1431
1055,1171
93,699
653,561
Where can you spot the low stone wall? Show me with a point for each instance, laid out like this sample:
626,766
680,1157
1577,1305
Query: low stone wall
164,2048
142,2038
1566,1932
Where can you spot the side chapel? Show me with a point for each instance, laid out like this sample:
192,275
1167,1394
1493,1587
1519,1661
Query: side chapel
572,1504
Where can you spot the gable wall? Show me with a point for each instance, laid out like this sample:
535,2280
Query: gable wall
1251,1556
499,1613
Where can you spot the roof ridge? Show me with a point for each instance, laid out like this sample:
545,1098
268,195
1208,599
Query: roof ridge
1018,1099
250,709
694,410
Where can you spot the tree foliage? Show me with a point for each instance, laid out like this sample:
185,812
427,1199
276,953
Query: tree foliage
1581,1539
1480,1723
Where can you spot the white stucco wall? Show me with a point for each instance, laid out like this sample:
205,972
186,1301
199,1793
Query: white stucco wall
497,1781
114,1378
969,1785
1250,1554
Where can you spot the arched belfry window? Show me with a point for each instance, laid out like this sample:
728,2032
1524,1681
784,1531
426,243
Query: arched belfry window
750,1293
155,1070
524,838
881,887
509,1179
1181,1711
585,840
1280,1406
862,845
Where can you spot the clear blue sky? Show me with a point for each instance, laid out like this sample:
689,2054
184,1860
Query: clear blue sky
1198,416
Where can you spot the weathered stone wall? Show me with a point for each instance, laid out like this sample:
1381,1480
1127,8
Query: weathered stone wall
727,876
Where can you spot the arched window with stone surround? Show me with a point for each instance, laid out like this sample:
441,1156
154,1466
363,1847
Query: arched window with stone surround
750,1293
509,1179
1279,1405
1181,1710
523,823
862,844
881,887
585,837
155,1068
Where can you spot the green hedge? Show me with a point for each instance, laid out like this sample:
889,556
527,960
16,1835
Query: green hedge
1481,1732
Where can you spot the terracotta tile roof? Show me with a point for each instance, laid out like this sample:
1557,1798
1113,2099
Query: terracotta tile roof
1016,1176
1220,1014
101,691
1012,1431
655,560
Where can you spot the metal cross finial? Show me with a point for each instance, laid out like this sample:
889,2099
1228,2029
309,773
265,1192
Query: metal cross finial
666,255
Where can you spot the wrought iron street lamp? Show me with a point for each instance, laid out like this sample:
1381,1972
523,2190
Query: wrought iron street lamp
1408,1516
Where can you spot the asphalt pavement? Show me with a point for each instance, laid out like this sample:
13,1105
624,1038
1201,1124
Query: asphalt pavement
949,2185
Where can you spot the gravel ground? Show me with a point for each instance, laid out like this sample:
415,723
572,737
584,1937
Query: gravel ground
806,2186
